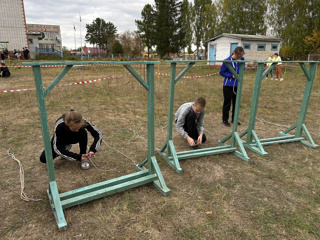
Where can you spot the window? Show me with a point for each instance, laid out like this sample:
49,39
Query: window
247,46
46,35
52,47
274,47
30,41
51,35
261,47
40,45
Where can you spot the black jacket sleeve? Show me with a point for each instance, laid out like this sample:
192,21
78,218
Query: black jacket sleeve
96,134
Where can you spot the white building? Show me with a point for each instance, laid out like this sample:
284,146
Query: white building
13,24
256,47
44,39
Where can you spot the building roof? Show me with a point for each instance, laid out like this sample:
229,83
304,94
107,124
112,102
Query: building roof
247,37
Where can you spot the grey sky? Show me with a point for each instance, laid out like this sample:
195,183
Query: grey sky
121,13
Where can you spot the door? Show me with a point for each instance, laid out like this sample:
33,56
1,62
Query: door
233,47
212,53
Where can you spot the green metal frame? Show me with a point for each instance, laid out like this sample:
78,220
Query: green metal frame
252,141
152,174
171,155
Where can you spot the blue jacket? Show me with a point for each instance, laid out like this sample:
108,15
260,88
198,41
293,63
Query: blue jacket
225,72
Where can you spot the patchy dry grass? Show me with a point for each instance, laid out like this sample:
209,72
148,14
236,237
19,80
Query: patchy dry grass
217,197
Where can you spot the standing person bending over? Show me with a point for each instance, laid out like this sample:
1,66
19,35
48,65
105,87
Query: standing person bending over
190,121
279,65
69,129
230,85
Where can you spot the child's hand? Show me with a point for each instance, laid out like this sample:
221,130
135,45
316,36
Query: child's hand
90,154
200,139
190,141
84,157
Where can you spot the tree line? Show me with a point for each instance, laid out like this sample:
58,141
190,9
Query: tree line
171,26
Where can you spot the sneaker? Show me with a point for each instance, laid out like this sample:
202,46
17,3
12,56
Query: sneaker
281,79
238,123
276,79
266,78
271,78
226,123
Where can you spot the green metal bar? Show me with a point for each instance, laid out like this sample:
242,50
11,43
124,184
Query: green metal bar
174,156
44,122
102,185
164,146
142,163
309,138
57,79
88,63
282,141
108,191
238,97
56,206
241,147
254,102
171,102
183,72
226,138
137,76
160,184
150,110
204,152
243,133
258,143
288,130
306,96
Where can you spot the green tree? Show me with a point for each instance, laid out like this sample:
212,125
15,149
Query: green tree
185,22
117,48
101,33
293,20
203,21
242,17
168,32
146,27
313,42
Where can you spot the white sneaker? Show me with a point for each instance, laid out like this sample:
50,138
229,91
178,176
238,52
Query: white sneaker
276,79
281,79
266,78
271,78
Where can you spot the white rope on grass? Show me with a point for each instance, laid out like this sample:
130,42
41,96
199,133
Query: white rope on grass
119,152
276,124
22,193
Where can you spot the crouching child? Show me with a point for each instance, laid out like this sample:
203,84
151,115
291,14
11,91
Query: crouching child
190,122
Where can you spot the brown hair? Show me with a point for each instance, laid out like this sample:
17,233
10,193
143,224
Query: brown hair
73,117
201,102
238,50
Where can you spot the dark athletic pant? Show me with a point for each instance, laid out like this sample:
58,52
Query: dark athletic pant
229,97
191,128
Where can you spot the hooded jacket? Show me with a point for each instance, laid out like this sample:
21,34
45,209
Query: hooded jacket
225,72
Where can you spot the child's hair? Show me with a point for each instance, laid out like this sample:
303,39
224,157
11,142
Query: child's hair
276,54
2,64
73,117
201,102
238,50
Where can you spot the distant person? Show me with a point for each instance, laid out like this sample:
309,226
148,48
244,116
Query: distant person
71,128
230,85
17,53
190,122
271,58
3,57
26,53
4,71
279,66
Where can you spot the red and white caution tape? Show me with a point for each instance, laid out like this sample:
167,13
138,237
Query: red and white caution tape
63,85
207,75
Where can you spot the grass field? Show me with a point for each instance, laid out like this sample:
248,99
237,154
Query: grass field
216,197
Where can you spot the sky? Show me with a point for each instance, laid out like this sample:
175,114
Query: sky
122,13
